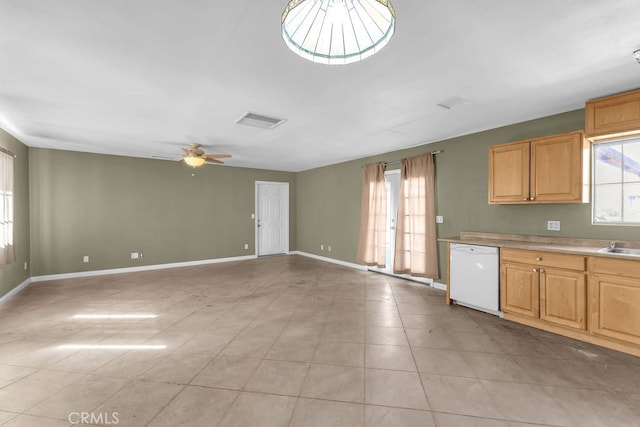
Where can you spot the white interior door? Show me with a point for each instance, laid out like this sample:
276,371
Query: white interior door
392,182
272,219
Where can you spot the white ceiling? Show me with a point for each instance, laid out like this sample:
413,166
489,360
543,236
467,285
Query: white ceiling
142,78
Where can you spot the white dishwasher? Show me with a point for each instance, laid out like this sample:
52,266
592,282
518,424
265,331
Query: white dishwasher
475,277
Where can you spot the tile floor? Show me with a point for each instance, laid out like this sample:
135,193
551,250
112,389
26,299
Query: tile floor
291,341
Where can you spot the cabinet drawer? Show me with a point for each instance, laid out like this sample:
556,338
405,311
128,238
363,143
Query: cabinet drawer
615,266
544,259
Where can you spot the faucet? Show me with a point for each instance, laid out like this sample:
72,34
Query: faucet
612,246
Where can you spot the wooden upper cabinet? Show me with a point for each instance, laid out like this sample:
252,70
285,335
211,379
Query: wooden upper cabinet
509,173
560,169
552,169
613,117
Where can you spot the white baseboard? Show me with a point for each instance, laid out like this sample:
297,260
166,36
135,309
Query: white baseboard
13,292
137,269
331,260
441,286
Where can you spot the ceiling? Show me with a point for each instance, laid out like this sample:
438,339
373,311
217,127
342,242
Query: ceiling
143,78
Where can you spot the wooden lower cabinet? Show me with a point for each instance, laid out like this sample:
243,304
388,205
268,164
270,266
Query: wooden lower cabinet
614,291
520,287
563,297
597,301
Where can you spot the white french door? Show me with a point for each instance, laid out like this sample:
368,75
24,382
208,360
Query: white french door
272,218
392,183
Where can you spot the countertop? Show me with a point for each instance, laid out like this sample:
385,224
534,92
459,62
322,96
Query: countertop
566,245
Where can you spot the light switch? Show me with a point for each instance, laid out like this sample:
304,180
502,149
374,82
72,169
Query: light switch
439,219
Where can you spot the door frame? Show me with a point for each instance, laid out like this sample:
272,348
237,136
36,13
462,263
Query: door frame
389,270
285,214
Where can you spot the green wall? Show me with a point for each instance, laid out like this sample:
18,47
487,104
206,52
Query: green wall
329,197
14,274
109,206
71,204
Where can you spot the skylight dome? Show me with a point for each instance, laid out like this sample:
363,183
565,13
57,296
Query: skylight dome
337,31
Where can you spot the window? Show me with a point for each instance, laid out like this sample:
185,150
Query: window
616,182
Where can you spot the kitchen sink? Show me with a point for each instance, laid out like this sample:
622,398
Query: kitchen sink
622,251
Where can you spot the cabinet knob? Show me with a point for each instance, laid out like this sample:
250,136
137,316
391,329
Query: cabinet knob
533,198
525,198
538,258
541,271
535,270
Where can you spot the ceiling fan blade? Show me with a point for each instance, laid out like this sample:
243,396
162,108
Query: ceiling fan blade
215,161
218,156
186,150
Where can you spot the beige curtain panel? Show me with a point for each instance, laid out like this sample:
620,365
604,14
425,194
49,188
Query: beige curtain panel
372,240
416,250
7,250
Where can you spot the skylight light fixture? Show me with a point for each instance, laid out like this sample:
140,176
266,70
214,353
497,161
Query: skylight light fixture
337,31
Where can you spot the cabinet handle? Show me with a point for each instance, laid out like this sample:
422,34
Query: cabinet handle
535,270
538,258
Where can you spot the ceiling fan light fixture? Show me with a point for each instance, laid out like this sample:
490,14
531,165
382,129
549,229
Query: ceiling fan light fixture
194,162
337,31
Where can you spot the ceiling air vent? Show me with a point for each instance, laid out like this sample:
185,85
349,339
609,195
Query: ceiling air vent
453,102
259,121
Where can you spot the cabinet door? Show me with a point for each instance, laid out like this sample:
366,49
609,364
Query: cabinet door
558,169
509,173
613,117
563,297
615,307
520,289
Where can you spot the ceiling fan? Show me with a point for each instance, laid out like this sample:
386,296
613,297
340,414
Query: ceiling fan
195,157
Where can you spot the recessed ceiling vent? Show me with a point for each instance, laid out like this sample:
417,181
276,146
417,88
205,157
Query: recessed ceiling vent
259,121
453,102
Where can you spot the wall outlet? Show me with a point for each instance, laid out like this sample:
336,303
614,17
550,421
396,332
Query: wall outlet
85,259
246,246
439,219
329,248
322,247
134,255
553,225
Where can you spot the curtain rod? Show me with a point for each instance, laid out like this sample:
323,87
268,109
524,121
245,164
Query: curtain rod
393,162
4,150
